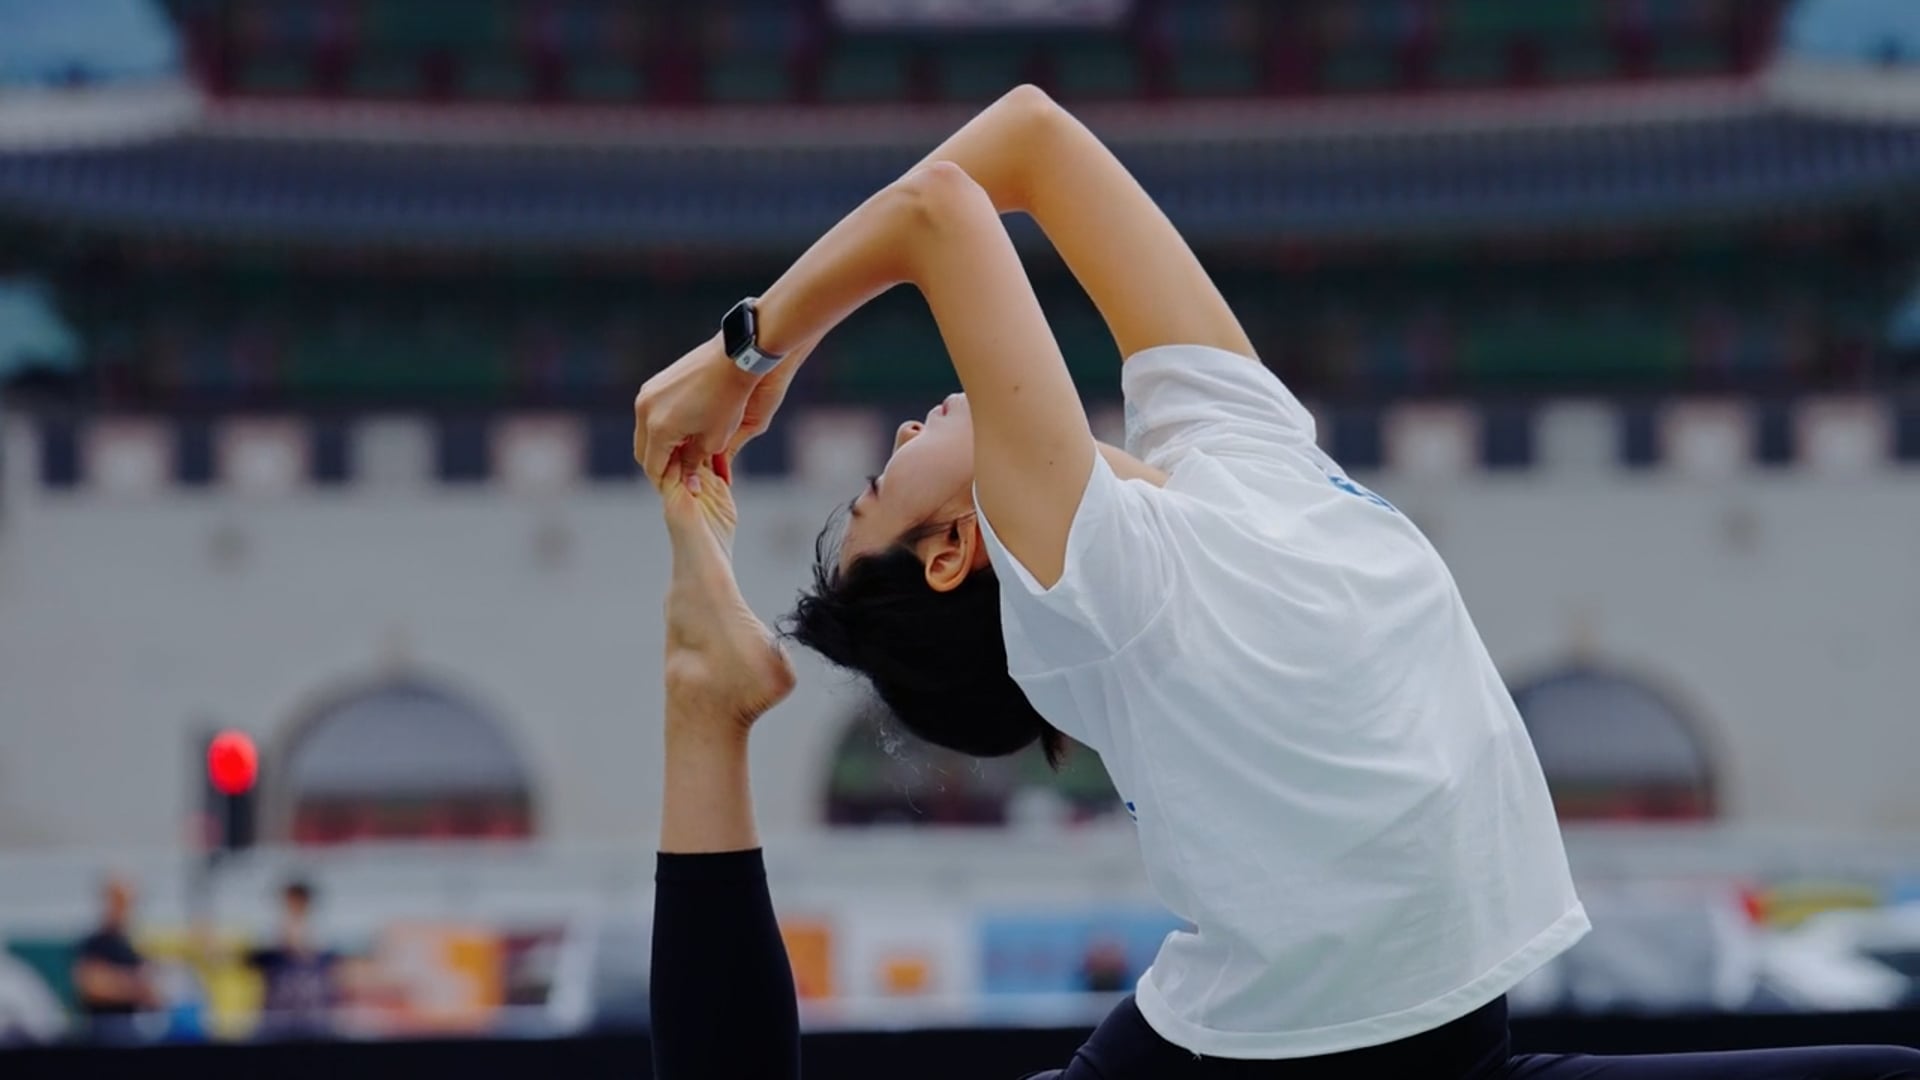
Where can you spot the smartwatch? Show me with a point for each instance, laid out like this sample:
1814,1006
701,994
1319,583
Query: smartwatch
740,337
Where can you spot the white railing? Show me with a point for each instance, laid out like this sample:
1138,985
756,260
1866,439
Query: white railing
374,883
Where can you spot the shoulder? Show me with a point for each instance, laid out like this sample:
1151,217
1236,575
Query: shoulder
1201,368
1114,579
107,945
1194,397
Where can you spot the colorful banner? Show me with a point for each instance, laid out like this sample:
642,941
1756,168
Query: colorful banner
228,990
907,950
810,949
441,977
530,959
1048,952
1786,904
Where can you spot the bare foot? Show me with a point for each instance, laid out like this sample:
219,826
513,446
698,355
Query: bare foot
720,656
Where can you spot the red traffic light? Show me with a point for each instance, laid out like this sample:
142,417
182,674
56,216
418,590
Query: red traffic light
232,762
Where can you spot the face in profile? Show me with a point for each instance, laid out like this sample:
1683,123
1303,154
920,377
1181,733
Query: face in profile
927,481
905,596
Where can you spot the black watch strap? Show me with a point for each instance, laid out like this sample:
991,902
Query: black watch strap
740,336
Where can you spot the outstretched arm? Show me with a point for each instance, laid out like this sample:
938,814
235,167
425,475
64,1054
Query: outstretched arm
722,988
1028,155
1032,156
937,229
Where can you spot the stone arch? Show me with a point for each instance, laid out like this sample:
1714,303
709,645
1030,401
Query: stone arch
400,758
1615,746
879,775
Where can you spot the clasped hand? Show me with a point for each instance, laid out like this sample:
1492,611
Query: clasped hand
703,408
723,665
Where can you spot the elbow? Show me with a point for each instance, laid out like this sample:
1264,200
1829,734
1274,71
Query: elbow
88,983
1007,142
934,201
1035,120
1032,108
935,193
1033,125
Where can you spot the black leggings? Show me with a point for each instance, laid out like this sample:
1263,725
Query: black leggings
724,1005
1474,1047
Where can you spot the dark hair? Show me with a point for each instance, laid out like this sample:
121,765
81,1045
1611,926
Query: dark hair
297,891
936,659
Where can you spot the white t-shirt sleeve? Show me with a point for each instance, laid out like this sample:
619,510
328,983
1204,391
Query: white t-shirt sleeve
1116,577
1182,398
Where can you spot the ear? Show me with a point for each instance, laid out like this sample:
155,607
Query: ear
952,554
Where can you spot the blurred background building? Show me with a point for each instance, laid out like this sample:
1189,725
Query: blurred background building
320,321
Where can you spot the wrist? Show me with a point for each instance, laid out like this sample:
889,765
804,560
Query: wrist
732,372
775,330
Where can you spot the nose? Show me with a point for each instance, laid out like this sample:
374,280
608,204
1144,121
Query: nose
906,433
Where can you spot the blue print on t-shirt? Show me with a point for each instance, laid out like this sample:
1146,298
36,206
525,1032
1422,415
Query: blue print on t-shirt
1352,488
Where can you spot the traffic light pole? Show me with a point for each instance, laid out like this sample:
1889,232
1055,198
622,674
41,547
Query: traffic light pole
204,850
225,768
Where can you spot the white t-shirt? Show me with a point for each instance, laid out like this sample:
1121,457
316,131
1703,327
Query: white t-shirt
1331,783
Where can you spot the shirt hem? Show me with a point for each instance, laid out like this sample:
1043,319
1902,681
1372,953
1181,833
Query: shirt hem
1372,1031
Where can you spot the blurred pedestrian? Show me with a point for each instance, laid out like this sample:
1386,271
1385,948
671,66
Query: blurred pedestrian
1104,968
112,981
301,977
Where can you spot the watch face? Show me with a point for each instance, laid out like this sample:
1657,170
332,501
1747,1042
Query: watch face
736,330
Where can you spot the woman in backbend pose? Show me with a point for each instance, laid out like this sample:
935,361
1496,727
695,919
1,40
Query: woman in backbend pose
1331,784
